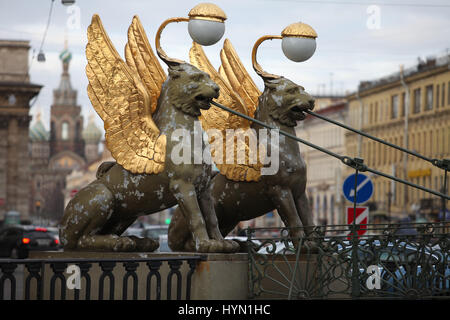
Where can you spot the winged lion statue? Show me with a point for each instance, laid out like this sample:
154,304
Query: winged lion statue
141,107
241,192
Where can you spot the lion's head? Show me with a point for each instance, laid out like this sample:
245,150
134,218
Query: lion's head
286,101
190,89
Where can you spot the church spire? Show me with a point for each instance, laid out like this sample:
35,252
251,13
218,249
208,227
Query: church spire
64,94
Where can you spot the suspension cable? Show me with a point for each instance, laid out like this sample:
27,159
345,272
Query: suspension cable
354,163
287,134
436,162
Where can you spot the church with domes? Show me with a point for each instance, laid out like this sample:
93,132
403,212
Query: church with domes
66,147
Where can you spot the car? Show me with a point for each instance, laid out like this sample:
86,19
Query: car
54,232
154,231
136,229
402,266
243,243
163,244
17,241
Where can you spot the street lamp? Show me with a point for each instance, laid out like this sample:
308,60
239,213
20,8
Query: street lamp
68,2
41,56
205,26
298,42
38,210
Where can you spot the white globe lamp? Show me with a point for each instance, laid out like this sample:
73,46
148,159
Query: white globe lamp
206,24
298,41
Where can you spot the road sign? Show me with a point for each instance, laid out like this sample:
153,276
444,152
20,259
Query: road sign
361,216
364,188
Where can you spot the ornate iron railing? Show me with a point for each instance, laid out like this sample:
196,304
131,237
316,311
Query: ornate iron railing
336,264
389,261
139,278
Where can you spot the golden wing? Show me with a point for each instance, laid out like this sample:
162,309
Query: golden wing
227,96
247,168
123,103
237,76
141,59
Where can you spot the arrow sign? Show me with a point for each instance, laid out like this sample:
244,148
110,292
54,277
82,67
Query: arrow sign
364,188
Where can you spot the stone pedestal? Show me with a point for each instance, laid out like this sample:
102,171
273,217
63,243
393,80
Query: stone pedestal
221,277
217,276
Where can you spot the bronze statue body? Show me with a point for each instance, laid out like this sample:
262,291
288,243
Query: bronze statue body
280,105
142,108
99,213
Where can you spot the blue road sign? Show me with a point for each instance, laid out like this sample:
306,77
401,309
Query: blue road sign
364,188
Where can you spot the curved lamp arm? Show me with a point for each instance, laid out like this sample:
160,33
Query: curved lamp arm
161,53
203,11
255,63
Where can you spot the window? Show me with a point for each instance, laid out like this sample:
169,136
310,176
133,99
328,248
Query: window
380,114
65,131
394,107
418,141
448,92
430,143
416,101
403,103
429,101
318,205
394,151
437,96
436,141
376,112
443,95
52,130
332,207
78,131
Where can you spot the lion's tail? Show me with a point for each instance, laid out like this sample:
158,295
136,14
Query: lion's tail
104,168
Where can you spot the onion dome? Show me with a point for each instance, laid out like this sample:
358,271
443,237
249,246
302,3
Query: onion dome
38,132
65,56
92,134
65,95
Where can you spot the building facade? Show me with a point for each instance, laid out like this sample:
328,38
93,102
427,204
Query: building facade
410,109
324,172
66,147
16,91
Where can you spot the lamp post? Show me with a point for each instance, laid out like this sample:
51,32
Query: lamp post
38,211
405,136
298,42
389,197
206,26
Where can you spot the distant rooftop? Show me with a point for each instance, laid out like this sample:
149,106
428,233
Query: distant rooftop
421,66
328,96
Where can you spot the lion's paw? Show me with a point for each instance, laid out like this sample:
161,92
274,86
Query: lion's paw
145,244
217,246
124,244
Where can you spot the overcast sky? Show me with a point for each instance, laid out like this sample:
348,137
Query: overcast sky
357,39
